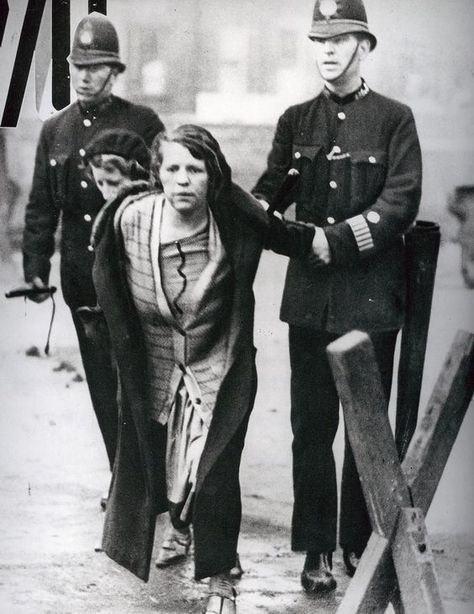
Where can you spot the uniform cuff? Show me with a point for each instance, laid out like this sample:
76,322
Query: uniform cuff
361,232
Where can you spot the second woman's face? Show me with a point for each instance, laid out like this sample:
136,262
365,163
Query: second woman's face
184,179
109,181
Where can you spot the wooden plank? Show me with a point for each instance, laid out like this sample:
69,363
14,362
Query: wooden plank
447,406
358,382
355,370
437,431
414,565
368,587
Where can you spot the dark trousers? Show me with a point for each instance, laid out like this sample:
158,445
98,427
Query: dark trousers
101,379
218,511
314,420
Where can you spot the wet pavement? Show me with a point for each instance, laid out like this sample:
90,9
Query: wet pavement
53,472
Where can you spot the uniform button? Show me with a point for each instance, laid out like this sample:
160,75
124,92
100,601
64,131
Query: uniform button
90,248
341,115
336,149
297,155
84,184
87,123
331,220
87,218
333,184
52,162
373,217
372,159
82,152
198,401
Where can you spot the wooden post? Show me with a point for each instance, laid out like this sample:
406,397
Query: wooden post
358,382
437,431
414,564
365,594
375,582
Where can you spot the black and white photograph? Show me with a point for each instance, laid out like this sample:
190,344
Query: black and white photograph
236,306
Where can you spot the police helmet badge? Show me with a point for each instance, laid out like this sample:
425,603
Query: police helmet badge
86,37
328,8
337,17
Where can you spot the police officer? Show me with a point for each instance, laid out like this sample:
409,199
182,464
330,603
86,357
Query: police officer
360,185
61,188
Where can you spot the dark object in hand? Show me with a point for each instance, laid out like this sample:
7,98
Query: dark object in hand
28,291
280,199
421,258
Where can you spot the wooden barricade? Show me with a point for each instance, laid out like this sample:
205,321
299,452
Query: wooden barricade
397,565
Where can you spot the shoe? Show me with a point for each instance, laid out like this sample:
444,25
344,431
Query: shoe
351,561
236,572
222,596
316,576
175,547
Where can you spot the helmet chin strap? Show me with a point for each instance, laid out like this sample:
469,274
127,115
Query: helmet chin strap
99,93
350,62
109,76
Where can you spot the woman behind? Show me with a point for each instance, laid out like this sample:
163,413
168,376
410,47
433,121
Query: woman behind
114,159
174,272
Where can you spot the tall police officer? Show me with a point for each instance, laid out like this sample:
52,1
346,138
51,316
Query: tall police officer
360,185
60,185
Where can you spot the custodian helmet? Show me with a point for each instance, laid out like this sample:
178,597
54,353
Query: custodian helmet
336,17
95,42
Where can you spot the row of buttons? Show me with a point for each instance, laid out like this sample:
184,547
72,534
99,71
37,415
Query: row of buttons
53,162
84,185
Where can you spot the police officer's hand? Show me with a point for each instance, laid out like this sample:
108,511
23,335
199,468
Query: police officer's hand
320,251
37,282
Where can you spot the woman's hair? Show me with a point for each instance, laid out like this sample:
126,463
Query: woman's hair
111,162
201,145
119,149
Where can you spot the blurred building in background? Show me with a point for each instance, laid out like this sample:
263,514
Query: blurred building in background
235,66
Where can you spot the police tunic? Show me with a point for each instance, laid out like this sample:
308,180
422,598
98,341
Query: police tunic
360,180
60,185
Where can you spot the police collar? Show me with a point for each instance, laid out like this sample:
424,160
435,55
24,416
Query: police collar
361,92
88,110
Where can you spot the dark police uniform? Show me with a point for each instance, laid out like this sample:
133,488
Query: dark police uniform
60,186
360,180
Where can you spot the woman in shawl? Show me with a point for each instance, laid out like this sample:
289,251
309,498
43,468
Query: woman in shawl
174,271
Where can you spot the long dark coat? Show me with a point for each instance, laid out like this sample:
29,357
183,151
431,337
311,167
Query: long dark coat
138,489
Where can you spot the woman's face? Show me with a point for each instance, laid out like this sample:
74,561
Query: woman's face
109,181
184,179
